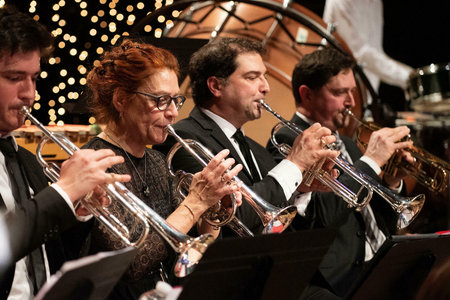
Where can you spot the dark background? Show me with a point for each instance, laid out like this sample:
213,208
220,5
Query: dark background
416,32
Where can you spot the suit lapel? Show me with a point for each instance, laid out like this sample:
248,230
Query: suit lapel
299,122
33,174
215,133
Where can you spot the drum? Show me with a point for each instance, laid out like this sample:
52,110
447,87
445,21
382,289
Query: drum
429,89
287,29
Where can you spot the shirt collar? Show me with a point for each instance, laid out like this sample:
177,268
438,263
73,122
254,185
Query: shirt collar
226,126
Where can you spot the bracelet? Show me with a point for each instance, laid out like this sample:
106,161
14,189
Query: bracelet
190,210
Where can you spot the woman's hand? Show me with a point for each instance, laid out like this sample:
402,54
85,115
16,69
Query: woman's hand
212,183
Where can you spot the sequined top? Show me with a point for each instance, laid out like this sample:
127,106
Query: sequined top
153,171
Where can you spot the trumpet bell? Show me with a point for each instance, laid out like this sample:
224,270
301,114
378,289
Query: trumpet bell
280,220
191,254
409,210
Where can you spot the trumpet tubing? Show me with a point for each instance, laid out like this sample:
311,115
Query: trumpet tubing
407,208
274,219
190,249
217,215
428,169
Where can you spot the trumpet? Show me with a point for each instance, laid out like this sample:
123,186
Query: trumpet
274,219
407,208
429,170
190,249
216,215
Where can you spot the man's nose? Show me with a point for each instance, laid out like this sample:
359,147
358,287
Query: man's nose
27,91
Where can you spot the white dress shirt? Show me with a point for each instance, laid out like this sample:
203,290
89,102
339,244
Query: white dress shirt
22,287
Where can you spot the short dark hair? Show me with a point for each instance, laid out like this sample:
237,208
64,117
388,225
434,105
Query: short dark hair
21,33
315,69
217,58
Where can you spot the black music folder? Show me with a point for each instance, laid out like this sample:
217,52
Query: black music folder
275,266
401,265
91,277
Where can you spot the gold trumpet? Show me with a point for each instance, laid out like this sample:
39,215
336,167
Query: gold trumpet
190,249
407,208
274,219
428,169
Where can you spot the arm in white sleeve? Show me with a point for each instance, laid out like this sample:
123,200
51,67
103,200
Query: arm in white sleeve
365,40
288,175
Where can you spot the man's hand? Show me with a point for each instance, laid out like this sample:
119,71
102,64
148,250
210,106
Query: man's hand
384,142
316,185
86,170
308,147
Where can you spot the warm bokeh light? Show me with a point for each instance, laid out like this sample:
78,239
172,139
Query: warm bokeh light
83,31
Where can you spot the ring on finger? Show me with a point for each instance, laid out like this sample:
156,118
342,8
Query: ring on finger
323,142
222,179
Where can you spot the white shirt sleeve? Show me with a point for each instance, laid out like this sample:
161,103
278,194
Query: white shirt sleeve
360,24
288,175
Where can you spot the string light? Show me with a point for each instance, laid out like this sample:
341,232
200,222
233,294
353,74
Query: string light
89,27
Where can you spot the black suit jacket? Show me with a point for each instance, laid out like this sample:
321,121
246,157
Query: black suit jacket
203,129
344,261
37,221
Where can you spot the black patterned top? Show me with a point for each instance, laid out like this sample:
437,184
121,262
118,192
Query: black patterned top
153,170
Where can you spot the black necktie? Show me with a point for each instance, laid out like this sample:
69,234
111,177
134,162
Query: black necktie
245,149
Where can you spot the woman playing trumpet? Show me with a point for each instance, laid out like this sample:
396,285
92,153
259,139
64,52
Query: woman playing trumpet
135,93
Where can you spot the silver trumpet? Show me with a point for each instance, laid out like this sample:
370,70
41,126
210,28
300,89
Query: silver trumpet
407,208
274,219
216,215
190,249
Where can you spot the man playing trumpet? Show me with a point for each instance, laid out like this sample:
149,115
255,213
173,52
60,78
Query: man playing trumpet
323,85
228,80
34,211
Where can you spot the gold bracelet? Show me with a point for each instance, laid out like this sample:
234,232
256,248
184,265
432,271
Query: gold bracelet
190,210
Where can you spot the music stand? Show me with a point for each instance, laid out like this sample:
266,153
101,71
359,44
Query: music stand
275,266
92,277
399,268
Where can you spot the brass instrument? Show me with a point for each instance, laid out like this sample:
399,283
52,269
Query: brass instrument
428,169
407,208
190,249
274,219
216,215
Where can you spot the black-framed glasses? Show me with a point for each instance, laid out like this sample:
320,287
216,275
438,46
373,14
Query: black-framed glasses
163,101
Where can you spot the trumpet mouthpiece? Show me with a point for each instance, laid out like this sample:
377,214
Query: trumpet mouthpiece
348,112
25,110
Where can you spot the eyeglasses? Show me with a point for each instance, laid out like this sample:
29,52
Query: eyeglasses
163,101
